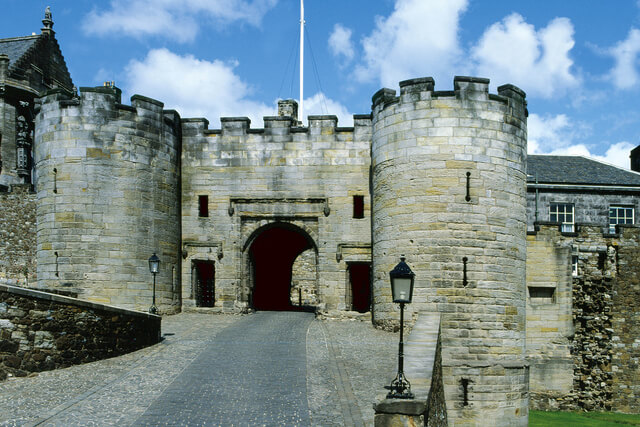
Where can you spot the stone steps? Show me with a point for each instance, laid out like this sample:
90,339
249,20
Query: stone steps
420,351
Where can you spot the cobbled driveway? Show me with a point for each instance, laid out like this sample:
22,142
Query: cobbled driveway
267,368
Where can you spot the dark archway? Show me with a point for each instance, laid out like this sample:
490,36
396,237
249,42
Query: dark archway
272,255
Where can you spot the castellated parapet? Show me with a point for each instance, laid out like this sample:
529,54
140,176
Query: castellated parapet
449,183
107,190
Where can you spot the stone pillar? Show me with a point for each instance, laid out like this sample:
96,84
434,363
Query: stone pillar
399,413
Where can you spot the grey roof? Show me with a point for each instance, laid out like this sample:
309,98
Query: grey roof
17,47
580,170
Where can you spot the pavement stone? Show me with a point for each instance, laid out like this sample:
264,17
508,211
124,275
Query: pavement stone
329,374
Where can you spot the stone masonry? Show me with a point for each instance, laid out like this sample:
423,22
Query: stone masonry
41,331
448,182
18,236
108,180
581,337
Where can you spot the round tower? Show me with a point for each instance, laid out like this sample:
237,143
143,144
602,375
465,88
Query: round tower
449,185
108,186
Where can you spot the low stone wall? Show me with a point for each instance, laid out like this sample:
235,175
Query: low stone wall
17,235
40,331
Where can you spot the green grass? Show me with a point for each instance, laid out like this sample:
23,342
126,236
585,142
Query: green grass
581,419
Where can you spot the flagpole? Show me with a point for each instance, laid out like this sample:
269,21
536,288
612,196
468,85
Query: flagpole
301,61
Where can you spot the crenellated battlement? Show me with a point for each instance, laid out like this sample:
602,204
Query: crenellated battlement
473,89
277,126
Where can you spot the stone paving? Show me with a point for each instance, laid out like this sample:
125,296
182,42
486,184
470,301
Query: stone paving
344,371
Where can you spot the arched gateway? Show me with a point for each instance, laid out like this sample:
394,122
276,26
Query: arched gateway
273,250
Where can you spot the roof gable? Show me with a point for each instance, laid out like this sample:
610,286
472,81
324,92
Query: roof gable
15,48
36,62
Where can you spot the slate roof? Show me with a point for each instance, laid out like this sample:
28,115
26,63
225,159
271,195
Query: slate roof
17,47
577,170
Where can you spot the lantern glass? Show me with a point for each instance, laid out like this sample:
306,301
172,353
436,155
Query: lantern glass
154,264
401,282
401,287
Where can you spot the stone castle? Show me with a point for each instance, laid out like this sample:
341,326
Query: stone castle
296,216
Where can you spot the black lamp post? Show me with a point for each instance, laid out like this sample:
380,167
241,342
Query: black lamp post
402,291
154,266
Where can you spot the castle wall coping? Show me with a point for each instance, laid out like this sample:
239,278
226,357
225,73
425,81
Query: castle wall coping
125,107
489,363
137,97
470,79
323,117
235,119
32,293
538,225
404,407
17,188
362,116
195,120
582,188
64,103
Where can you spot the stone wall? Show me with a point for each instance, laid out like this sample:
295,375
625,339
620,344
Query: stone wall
549,311
625,324
41,331
18,236
304,282
589,208
604,314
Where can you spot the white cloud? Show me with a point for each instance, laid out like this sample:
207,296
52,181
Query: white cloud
198,88
618,154
340,43
194,87
545,133
624,73
319,104
420,38
174,19
557,135
537,61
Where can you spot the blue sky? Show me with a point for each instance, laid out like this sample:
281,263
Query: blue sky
578,61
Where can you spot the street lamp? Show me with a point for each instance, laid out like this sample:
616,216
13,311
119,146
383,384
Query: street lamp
154,266
402,291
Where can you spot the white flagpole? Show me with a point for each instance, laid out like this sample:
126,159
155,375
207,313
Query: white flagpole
301,61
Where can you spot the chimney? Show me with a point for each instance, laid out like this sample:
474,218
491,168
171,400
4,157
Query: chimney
288,108
635,159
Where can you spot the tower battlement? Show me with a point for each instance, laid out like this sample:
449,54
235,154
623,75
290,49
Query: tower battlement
465,89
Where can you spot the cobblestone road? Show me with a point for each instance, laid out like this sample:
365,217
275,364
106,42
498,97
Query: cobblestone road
219,370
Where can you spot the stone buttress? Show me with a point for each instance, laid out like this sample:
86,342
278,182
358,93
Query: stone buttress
448,183
108,197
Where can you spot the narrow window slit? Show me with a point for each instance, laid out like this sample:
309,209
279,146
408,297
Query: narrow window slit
465,390
203,206
358,206
464,271
57,273
55,180
468,197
